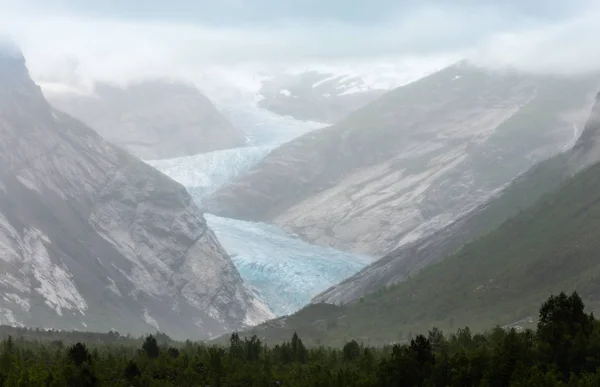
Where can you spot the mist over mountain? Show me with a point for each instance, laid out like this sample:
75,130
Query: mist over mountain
92,238
316,96
153,119
413,160
490,267
368,171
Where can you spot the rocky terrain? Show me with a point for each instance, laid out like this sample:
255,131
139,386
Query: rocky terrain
409,259
153,119
491,267
91,238
412,161
316,96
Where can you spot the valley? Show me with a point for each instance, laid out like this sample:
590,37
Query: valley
285,271
283,193
413,160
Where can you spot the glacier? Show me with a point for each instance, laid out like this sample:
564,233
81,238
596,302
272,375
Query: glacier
202,174
283,270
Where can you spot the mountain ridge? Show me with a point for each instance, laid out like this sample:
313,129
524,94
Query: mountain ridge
537,238
153,119
93,238
412,161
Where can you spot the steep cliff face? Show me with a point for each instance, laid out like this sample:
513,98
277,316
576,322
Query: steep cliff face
92,238
587,148
412,161
152,119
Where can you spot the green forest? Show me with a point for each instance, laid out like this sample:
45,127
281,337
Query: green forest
564,350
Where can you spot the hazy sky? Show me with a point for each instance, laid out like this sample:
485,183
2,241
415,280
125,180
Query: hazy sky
74,39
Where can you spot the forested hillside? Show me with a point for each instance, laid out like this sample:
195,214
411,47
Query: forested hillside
565,350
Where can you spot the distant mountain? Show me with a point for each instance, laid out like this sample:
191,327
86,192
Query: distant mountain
414,160
316,96
91,238
547,243
522,193
152,119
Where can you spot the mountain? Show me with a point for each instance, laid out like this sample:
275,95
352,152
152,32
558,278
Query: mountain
493,266
152,119
315,95
407,260
92,238
414,160
523,192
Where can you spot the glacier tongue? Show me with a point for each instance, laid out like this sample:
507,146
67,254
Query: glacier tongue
202,174
287,272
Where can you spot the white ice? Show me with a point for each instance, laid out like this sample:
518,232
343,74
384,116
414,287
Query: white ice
286,271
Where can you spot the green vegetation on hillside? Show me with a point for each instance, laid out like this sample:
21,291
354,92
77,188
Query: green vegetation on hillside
499,278
565,350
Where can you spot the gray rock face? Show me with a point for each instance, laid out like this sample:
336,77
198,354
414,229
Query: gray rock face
316,96
414,160
587,148
152,119
91,238
522,193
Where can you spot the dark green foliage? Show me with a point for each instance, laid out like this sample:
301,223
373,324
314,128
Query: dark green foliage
150,347
501,278
132,371
563,352
564,330
79,354
351,351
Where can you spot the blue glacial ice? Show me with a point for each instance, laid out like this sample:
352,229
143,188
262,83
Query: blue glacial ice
202,174
286,271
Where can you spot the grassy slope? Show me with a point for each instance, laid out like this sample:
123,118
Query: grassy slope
498,279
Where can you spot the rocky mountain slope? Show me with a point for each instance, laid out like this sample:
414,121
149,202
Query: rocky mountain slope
546,244
316,96
522,193
152,119
92,238
412,161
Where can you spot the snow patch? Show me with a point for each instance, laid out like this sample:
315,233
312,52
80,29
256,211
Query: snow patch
7,317
9,241
112,286
150,320
16,299
11,281
28,183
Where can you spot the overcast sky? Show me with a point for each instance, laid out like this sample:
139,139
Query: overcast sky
71,39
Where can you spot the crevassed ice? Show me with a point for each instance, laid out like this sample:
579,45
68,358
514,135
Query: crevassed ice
202,174
286,271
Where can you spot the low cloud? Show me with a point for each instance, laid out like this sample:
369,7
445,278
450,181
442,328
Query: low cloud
64,46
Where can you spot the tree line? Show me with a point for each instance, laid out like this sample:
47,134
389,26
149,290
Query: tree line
563,351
